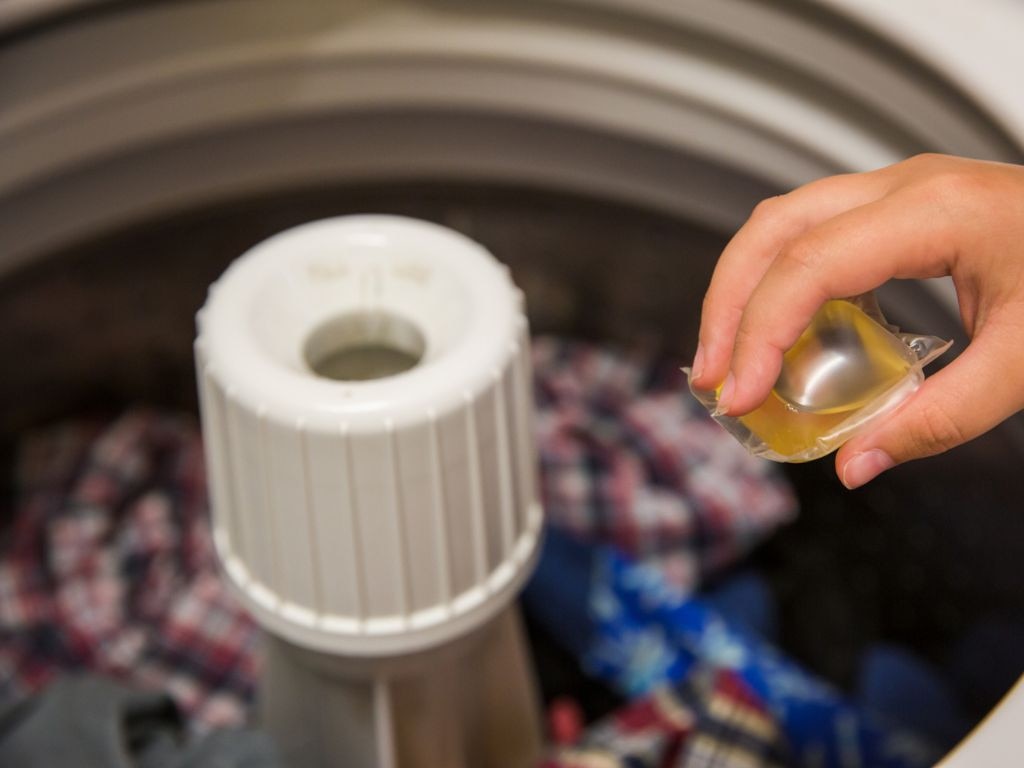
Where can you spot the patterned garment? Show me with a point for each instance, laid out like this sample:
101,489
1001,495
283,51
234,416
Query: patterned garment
710,720
682,634
643,636
628,458
110,568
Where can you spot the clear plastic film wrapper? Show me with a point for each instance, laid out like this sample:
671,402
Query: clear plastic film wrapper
849,368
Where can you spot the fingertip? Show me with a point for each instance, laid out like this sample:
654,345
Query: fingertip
843,455
725,396
754,379
699,368
864,466
869,453
698,362
710,366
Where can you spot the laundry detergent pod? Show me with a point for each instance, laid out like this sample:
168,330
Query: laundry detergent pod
848,368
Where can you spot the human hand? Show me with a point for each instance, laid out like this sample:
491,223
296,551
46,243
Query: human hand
928,216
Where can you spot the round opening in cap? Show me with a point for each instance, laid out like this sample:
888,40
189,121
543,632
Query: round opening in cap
363,346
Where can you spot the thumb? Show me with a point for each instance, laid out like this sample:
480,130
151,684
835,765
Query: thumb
973,394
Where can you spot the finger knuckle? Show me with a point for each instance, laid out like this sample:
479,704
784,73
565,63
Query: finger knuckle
937,431
927,157
950,192
708,304
961,190
801,255
769,210
745,335
757,354
949,183
924,161
716,308
750,337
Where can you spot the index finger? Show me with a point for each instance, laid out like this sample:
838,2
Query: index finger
898,236
750,253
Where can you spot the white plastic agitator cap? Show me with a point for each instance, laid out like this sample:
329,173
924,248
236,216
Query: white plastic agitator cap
366,405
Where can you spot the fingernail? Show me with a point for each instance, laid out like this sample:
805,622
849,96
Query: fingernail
865,467
725,396
698,362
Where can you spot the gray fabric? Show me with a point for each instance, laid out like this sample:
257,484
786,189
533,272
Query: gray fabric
91,722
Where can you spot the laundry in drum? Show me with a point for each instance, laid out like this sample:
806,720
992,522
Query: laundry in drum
848,368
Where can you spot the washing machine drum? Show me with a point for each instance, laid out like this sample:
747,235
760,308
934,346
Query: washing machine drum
604,149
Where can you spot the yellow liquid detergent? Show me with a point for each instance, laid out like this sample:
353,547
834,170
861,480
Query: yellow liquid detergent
789,430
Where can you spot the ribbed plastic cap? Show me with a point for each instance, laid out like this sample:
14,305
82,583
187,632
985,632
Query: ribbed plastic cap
367,414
